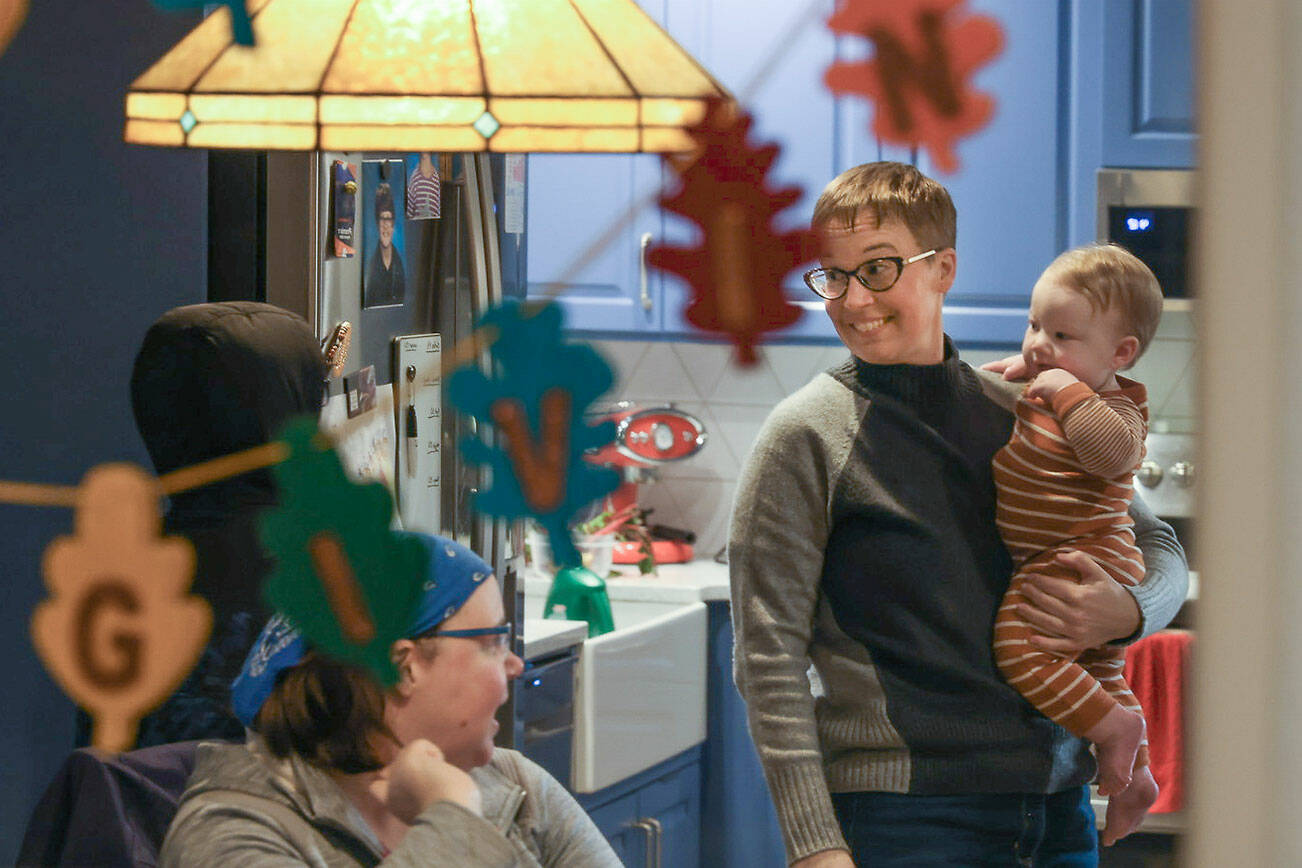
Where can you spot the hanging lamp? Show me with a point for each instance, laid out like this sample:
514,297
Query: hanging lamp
425,75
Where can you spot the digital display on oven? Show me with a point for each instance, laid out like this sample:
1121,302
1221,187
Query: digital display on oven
1158,236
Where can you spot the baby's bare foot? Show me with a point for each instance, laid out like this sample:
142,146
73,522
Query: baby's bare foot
1126,810
1117,737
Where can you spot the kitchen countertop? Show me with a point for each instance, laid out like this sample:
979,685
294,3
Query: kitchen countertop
703,580
547,636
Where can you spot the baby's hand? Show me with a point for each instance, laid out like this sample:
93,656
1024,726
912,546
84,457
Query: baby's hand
419,776
1049,383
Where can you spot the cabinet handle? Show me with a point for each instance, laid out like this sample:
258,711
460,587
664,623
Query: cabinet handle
659,838
645,825
641,270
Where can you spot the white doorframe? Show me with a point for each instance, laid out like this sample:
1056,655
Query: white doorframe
1246,750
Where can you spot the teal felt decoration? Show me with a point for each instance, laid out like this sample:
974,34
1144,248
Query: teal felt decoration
241,26
534,404
341,576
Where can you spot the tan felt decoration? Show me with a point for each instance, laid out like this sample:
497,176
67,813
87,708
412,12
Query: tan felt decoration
12,13
927,53
119,631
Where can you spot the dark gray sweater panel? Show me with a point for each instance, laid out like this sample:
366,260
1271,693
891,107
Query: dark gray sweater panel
921,598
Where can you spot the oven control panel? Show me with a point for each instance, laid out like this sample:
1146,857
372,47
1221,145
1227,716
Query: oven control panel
1166,476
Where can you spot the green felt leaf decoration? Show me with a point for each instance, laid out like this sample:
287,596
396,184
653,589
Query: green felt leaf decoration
241,25
341,576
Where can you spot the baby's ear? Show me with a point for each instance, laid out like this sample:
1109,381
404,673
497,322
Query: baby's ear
1127,353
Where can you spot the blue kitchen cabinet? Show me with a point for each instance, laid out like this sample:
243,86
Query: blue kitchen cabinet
739,827
653,819
1080,84
771,55
1148,75
574,199
1009,188
582,202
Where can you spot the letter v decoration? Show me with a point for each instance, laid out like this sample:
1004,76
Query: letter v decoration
925,53
534,402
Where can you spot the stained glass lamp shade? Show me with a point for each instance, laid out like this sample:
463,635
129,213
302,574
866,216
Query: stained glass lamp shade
425,75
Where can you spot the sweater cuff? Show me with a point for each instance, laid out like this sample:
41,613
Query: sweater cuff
1154,598
1070,397
804,810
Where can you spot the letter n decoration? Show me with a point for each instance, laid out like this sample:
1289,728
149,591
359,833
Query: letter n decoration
925,53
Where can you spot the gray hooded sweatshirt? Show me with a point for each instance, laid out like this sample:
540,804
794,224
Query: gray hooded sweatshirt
244,807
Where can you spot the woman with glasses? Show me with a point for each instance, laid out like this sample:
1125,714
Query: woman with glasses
863,542
338,771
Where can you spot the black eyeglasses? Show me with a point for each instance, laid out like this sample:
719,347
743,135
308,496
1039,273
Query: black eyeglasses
877,275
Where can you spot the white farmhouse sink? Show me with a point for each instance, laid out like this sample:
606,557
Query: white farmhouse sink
640,690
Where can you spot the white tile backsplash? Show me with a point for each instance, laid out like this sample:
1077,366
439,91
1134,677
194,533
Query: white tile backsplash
732,402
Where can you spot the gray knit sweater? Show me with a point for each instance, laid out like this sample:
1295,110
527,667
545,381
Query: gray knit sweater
863,541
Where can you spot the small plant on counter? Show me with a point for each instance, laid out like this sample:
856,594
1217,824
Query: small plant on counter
628,525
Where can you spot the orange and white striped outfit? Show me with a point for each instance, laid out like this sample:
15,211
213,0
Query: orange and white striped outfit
1064,483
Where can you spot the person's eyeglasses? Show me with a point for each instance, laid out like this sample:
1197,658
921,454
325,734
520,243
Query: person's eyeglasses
878,275
386,217
501,635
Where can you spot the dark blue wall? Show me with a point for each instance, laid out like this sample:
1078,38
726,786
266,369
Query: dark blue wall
97,238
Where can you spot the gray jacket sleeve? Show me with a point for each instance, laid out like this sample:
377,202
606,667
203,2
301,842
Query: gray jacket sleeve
240,829
1166,574
565,834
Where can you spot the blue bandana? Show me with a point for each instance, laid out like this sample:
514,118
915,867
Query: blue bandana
453,574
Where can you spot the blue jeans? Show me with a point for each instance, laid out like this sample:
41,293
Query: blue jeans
897,830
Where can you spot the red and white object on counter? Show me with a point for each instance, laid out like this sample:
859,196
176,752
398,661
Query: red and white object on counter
651,436
644,439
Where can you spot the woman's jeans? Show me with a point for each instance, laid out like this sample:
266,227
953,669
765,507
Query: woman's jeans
893,829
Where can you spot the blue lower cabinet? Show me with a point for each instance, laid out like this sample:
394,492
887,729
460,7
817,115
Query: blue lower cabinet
738,823
624,827
653,819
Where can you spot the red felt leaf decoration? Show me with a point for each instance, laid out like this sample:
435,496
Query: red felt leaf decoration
736,273
925,53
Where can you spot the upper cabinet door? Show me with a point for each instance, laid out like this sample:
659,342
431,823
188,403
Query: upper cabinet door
575,202
1009,186
587,235
770,55
1148,116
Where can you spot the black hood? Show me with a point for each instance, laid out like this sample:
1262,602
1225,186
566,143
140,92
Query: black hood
212,379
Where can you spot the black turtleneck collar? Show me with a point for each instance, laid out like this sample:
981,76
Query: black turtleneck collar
921,387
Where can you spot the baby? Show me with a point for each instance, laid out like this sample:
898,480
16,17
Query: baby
1064,483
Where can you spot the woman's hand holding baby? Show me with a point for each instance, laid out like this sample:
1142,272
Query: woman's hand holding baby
419,776
1070,615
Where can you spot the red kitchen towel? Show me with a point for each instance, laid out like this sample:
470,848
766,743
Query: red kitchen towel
1157,669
